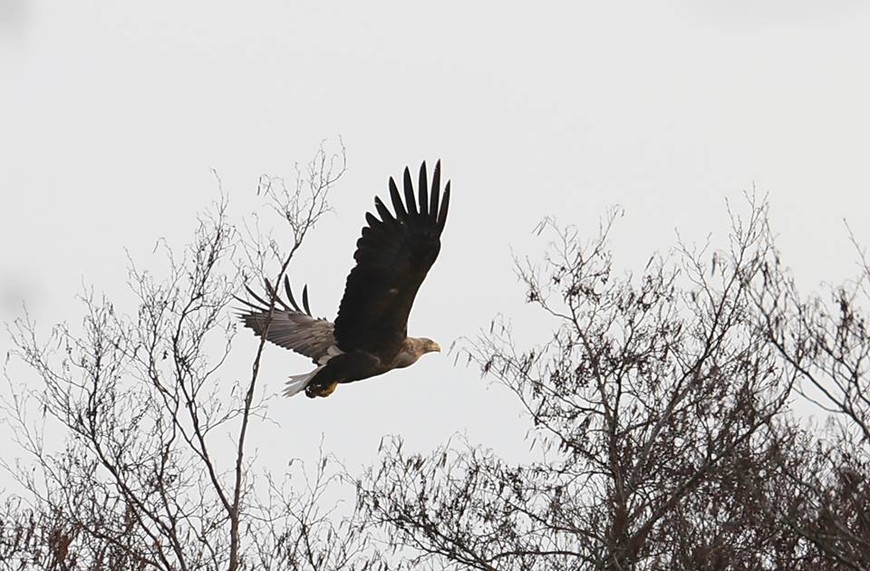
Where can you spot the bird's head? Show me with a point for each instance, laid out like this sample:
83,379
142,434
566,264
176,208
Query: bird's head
430,346
414,348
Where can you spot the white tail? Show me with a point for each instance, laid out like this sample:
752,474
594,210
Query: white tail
297,383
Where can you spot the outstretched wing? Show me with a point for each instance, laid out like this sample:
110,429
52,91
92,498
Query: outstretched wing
392,257
290,326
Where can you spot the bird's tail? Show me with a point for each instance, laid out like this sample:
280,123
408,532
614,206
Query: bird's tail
297,383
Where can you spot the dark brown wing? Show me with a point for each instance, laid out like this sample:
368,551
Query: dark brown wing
290,326
392,257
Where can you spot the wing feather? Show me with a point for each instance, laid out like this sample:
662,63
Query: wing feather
436,183
445,203
393,256
384,212
397,201
409,192
423,190
289,326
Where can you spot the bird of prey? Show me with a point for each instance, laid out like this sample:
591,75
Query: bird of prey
369,336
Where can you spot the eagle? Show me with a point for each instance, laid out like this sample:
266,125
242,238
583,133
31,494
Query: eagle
370,333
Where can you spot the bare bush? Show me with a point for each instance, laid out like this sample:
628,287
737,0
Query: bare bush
825,340
142,477
659,406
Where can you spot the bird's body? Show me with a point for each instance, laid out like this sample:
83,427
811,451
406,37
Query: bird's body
369,336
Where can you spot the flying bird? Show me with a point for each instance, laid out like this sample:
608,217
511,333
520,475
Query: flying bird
370,333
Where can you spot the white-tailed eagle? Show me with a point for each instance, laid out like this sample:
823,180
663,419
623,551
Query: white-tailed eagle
369,336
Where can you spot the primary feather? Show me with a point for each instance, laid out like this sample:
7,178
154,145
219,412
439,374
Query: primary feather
289,326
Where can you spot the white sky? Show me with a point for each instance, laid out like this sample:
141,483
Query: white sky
112,115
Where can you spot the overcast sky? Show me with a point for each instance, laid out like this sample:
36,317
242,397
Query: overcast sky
113,115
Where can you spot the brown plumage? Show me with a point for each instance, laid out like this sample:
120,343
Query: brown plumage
369,336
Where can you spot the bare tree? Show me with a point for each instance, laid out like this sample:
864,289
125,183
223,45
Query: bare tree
139,479
827,469
657,408
659,404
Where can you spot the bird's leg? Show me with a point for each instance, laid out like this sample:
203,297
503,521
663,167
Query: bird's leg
321,391
329,390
